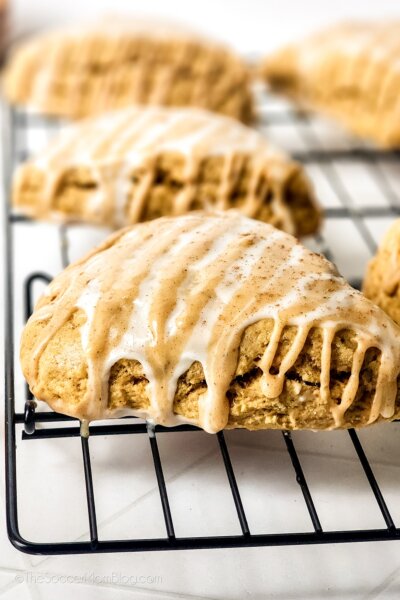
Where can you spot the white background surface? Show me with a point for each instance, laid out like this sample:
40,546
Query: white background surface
127,499
249,25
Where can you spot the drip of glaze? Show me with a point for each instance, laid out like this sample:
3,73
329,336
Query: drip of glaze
84,428
151,429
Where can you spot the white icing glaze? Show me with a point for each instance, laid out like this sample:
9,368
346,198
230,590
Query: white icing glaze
175,291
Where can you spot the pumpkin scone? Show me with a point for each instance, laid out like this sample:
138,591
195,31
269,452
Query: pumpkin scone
113,63
213,319
350,72
382,279
140,163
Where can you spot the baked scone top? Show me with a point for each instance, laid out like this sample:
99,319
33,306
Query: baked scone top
117,159
174,291
84,70
350,70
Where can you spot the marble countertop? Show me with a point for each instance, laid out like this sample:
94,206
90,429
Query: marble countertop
52,504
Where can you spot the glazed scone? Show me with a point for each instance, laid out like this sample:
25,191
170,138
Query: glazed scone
213,319
140,163
382,279
350,72
87,70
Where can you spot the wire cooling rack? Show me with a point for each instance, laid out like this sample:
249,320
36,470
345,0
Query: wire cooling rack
327,155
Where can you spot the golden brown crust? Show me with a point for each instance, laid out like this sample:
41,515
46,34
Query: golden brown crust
349,72
382,279
79,72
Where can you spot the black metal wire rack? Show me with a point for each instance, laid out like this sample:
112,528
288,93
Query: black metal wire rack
40,425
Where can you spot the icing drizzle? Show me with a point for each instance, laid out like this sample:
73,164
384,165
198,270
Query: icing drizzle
178,290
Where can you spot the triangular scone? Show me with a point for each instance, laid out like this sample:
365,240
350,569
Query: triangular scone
382,279
145,162
351,72
213,319
81,71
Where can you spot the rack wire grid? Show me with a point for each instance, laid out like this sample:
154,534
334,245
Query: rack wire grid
326,153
